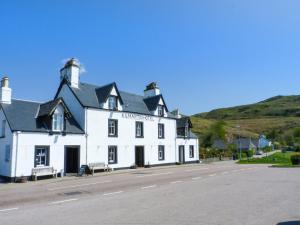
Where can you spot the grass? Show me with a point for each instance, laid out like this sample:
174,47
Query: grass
280,113
278,159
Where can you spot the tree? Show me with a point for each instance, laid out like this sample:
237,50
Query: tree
218,130
297,132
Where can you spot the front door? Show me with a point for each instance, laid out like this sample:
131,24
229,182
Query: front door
71,159
139,156
181,154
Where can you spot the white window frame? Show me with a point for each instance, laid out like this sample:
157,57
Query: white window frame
139,129
160,110
112,102
57,122
112,128
41,156
161,131
7,153
161,152
112,154
192,151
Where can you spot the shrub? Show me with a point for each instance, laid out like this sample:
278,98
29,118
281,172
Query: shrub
295,159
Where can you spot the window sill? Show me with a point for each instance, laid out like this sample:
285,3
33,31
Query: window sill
2,137
112,136
139,137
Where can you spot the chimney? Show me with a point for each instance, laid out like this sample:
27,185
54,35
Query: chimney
177,114
70,72
152,90
5,93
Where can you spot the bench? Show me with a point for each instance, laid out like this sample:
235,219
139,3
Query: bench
98,166
43,171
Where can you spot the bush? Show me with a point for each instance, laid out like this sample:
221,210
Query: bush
295,159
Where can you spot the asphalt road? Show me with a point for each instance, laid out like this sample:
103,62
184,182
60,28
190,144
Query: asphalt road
221,193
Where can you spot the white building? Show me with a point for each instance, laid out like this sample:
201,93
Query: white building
86,124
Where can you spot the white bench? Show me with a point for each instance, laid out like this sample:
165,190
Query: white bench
43,171
98,166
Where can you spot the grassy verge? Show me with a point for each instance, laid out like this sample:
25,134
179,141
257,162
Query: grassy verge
278,159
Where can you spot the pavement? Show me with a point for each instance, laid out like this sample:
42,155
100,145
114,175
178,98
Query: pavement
213,194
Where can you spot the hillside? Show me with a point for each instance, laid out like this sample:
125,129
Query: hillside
279,106
280,115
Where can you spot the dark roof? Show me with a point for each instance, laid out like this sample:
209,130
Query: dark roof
103,92
220,144
244,143
134,103
47,109
21,116
181,122
152,102
91,96
190,135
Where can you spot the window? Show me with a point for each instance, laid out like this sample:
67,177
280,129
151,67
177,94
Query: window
161,131
139,129
112,103
160,110
112,154
3,128
161,152
41,156
112,128
58,122
186,131
7,153
192,151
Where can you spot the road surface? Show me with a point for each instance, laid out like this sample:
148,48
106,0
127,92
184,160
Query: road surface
214,194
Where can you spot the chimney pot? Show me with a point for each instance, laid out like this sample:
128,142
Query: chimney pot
5,82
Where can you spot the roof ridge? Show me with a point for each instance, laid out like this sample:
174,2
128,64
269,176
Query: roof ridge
24,100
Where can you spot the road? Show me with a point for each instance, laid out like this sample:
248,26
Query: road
214,194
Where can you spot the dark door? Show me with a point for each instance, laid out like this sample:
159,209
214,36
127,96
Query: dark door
181,154
139,156
71,159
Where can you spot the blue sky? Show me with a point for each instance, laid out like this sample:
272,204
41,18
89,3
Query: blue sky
204,54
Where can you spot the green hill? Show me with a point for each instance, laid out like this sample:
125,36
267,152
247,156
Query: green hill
277,117
279,106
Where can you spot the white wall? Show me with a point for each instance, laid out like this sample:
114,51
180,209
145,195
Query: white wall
26,149
5,167
186,143
98,140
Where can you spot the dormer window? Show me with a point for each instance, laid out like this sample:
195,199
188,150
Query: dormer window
112,103
58,122
160,110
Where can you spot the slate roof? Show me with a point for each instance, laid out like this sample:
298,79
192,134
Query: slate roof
91,96
181,122
220,144
244,143
190,135
48,108
21,116
152,102
103,92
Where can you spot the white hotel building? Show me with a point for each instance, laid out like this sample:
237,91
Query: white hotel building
87,124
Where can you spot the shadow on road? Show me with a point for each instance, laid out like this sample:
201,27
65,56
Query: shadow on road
290,223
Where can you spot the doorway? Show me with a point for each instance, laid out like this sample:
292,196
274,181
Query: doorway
139,156
72,155
181,154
